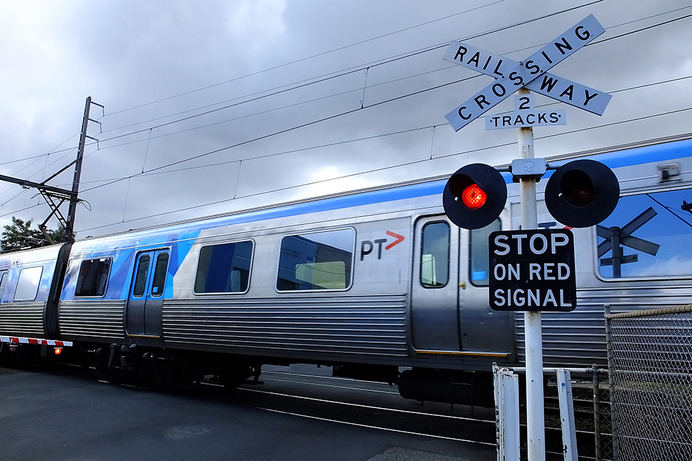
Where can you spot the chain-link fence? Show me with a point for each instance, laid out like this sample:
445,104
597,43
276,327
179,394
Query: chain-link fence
650,365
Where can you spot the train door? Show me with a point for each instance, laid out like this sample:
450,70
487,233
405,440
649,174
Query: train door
434,291
449,294
143,317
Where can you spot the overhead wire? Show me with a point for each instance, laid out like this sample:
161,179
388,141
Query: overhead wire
320,79
169,165
317,55
278,67
254,97
301,84
330,117
326,77
157,170
375,170
345,72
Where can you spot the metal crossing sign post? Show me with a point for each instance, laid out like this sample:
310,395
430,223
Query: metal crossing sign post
510,77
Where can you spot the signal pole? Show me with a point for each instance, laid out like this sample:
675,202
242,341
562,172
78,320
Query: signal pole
535,417
511,76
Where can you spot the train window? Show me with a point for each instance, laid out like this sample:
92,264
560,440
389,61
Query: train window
27,285
3,282
93,277
159,275
224,268
434,262
319,261
479,259
647,236
141,276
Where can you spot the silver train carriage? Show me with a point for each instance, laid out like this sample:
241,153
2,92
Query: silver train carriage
378,284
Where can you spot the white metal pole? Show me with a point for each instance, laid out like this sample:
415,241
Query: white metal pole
533,340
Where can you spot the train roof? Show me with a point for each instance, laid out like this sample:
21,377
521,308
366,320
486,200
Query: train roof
614,158
46,253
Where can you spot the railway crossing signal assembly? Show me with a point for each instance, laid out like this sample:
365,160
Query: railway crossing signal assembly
580,193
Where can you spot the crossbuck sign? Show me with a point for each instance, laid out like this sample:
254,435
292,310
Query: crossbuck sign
531,73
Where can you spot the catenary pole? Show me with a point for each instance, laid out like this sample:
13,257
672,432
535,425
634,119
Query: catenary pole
69,228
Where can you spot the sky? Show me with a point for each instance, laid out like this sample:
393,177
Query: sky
215,106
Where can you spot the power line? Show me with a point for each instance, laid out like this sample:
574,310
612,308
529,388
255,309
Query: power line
331,76
356,69
158,169
195,157
324,78
338,74
307,58
375,170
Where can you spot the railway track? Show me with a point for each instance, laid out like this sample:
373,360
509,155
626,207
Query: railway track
310,392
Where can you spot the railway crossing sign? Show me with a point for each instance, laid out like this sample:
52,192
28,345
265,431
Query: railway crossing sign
512,75
532,270
519,270
534,276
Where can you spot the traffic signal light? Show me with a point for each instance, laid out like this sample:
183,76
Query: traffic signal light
582,193
474,196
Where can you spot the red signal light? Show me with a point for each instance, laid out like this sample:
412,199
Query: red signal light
473,197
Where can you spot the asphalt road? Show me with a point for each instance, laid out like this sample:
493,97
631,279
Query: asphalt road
297,414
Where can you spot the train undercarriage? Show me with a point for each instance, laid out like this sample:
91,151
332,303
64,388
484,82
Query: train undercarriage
169,369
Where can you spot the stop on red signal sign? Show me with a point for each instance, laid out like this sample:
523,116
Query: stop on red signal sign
532,270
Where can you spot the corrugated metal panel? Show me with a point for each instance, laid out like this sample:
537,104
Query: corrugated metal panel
99,319
578,338
372,325
23,318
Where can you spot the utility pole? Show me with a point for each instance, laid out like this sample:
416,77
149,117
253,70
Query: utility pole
74,196
56,196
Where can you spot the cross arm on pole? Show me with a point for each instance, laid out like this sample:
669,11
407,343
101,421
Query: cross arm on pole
57,191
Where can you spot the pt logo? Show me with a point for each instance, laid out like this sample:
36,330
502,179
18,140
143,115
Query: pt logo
368,246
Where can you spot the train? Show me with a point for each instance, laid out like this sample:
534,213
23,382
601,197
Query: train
376,283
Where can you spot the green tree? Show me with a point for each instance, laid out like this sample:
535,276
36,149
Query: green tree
20,236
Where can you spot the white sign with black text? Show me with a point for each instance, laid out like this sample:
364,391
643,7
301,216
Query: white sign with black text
512,75
525,116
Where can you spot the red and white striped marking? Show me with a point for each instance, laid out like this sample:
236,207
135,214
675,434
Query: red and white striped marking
41,342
